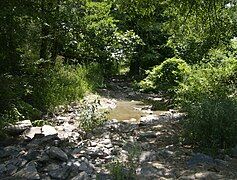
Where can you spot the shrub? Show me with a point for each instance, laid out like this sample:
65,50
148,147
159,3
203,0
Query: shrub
62,85
166,76
90,116
38,91
209,98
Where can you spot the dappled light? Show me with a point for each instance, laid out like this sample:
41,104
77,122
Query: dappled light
118,90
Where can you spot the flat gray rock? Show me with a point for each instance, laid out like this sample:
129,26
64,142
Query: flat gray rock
57,153
61,173
29,172
48,130
81,176
200,159
30,133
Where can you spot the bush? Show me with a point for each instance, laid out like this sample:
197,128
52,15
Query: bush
209,98
39,91
62,85
91,116
166,76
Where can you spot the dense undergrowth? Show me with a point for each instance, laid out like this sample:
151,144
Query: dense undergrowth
35,95
207,92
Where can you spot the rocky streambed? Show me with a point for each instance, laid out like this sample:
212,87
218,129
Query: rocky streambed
141,147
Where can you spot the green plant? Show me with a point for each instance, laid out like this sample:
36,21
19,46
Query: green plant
209,98
90,116
121,172
41,122
126,170
166,76
62,85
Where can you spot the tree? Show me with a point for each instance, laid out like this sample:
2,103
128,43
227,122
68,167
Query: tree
145,18
197,26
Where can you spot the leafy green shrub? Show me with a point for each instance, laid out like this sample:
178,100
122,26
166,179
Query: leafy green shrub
62,85
120,172
34,92
166,76
91,116
209,98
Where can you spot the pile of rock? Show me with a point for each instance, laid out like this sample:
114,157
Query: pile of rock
64,151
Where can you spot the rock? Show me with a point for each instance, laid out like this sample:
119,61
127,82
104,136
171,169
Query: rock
200,159
48,130
206,175
103,176
165,153
51,167
18,162
187,177
105,141
30,133
234,152
148,134
29,172
150,119
40,139
3,169
147,156
68,127
19,127
149,171
32,154
11,151
81,176
61,173
57,153
84,165
11,169
63,119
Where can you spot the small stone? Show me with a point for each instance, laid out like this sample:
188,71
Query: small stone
234,152
61,173
2,169
51,167
57,153
32,154
63,119
165,153
81,176
105,141
68,127
84,166
11,169
29,172
148,134
199,159
207,175
30,133
11,151
48,130
147,156
19,127
93,144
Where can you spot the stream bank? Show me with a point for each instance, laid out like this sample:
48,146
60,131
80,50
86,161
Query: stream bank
144,145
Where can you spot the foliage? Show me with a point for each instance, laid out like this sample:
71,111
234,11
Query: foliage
209,98
62,85
166,76
197,26
145,18
46,89
120,172
123,171
90,116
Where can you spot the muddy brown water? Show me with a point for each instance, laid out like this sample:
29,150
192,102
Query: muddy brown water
127,110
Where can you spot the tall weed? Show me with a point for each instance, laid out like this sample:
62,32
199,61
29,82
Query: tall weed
209,98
